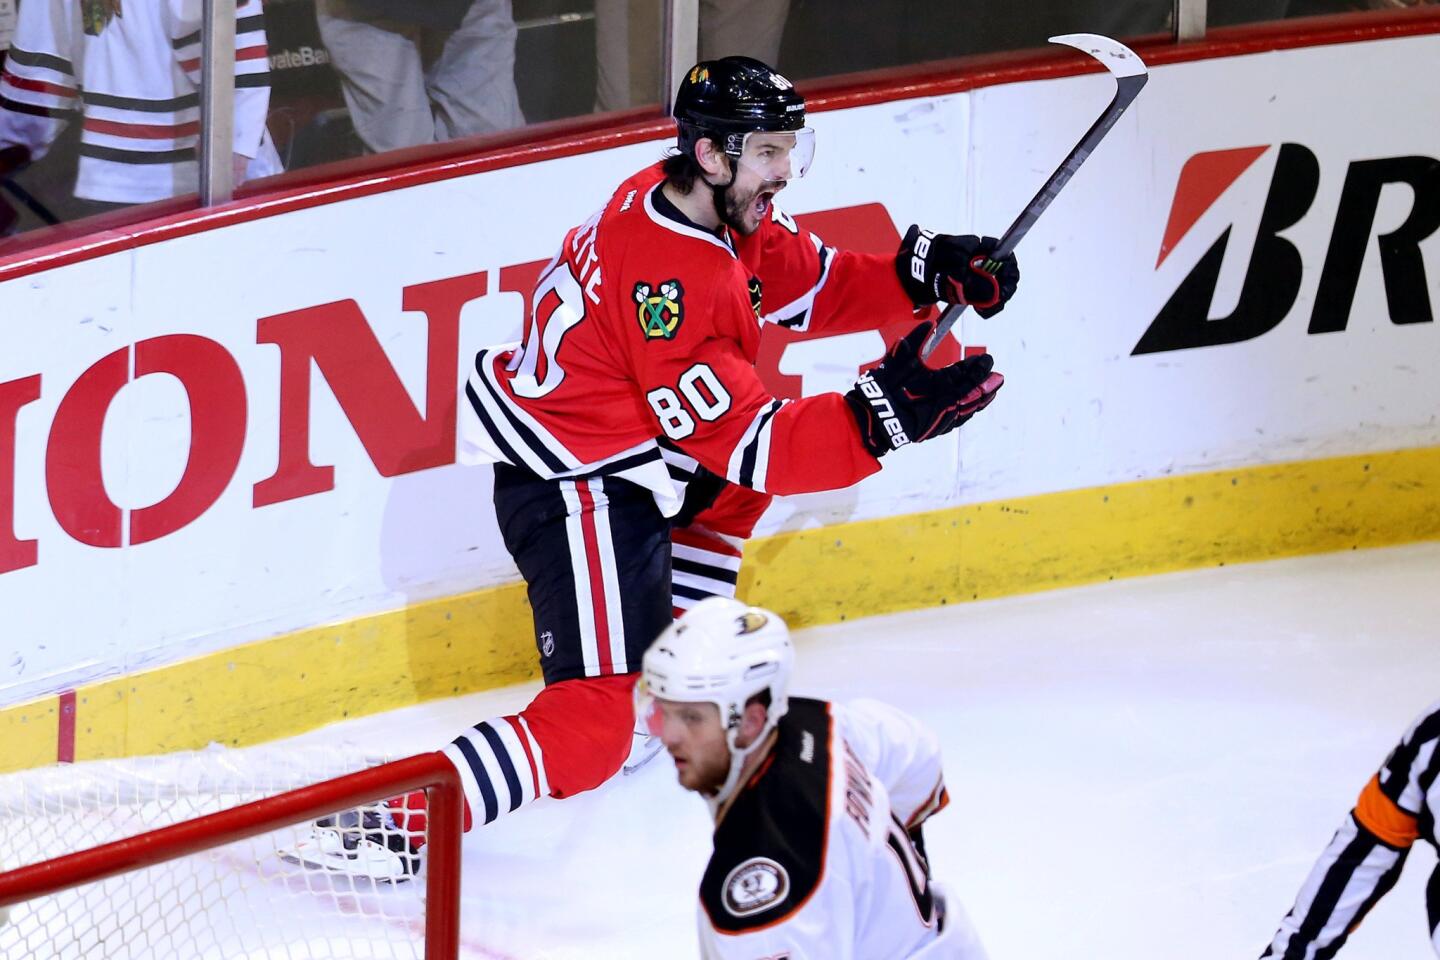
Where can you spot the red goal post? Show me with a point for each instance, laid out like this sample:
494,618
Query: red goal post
430,772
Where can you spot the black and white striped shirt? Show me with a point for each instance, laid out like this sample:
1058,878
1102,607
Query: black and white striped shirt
1365,857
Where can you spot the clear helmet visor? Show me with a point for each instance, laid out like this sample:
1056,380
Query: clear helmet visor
648,718
653,711
780,155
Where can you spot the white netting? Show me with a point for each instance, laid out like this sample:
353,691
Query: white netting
241,900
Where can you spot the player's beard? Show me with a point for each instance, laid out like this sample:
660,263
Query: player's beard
705,774
736,210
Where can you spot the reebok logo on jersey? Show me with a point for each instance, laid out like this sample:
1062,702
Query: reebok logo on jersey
884,410
660,313
757,884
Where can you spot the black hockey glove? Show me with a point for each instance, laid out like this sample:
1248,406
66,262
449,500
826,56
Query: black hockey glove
701,493
13,159
956,269
903,401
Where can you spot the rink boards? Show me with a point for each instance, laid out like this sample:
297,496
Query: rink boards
229,502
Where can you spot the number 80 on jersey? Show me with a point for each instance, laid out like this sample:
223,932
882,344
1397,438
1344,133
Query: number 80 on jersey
705,393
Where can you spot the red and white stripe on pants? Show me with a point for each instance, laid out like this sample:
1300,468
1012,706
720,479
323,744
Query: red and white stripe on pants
597,582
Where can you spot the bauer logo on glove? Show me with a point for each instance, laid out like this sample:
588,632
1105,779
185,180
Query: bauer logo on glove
935,267
904,401
883,409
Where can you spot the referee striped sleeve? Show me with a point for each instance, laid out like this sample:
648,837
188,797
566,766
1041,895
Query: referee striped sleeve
1412,766
1364,860
1353,873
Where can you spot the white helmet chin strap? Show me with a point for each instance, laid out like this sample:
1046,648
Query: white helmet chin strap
738,756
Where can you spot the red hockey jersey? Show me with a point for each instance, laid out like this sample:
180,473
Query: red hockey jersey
647,326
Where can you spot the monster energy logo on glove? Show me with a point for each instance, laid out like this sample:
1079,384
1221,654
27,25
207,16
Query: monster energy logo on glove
659,313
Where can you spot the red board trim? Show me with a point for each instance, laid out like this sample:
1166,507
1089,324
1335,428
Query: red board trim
65,738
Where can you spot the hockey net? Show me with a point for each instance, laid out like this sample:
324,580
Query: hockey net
192,857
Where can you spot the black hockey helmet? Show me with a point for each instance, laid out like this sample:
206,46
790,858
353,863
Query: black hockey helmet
727,98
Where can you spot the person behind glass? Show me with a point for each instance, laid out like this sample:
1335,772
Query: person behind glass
131,73
627,36
818,805
423,71
1364,859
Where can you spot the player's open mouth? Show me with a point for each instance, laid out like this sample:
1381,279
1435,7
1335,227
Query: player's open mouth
762,203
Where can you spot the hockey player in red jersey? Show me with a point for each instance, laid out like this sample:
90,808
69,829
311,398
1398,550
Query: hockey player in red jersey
633,400
818,806
1364,859
634,444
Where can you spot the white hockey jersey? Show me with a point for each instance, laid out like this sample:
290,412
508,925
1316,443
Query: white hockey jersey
814,857
1364,859
130,73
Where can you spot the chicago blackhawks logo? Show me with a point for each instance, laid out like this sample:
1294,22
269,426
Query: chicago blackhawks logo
755,296
659,313
96,15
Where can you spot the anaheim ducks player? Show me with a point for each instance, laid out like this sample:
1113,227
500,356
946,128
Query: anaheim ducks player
817,805
1364,859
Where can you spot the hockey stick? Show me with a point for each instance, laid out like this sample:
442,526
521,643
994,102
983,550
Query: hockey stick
1130,76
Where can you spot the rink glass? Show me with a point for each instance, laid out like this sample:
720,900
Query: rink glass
508,65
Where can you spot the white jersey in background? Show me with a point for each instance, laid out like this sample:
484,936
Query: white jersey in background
130,73
814,858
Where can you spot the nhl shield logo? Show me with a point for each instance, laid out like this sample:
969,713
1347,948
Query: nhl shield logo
659,312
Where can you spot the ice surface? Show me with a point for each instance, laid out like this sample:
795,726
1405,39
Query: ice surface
1142,769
